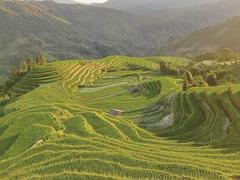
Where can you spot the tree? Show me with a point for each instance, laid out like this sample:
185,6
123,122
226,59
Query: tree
1,90
208,56
185,85
41,60
15,72
236,56
163,68
227,54
212,79
30,63
189,77
188,81
199,81
24,66
38,60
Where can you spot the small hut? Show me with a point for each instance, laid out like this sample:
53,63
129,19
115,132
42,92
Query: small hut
116,112
136,88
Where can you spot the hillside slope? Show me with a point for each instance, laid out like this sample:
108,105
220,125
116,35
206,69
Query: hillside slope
65,124
63,31
208,40
86,31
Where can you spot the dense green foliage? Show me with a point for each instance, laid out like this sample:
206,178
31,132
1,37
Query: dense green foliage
225,54
210,72
60,125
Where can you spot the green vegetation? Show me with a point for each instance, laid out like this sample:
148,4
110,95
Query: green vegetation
213,42
58,124
224,55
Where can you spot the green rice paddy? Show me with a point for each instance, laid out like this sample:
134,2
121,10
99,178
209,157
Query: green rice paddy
60,126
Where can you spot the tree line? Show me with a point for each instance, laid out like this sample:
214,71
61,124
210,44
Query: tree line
202,73
17,73
225,54
213,74
28,64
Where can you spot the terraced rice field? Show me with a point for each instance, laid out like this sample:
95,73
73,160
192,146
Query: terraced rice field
61,125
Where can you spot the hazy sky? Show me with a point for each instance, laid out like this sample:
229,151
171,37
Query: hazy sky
91,1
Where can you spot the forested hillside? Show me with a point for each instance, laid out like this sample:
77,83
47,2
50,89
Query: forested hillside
61,31
73,31
211,39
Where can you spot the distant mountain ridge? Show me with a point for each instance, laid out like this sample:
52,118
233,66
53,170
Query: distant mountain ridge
65,31
58,1
151,5
76,31
209,39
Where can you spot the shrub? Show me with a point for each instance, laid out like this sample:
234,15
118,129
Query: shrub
165,68
212,79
